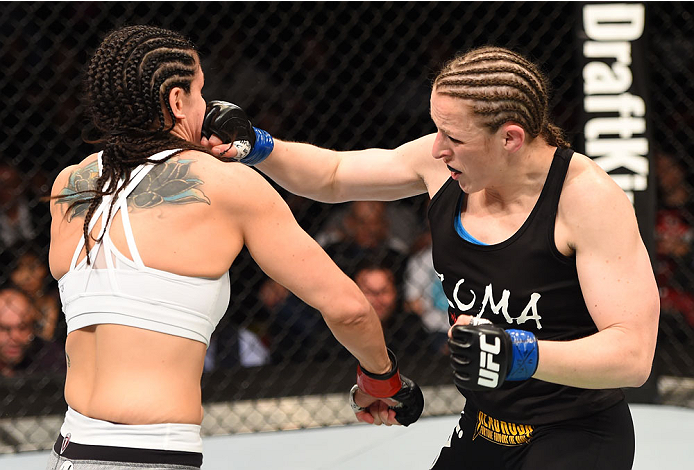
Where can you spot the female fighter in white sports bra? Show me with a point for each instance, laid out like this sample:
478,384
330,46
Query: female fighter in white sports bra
142,238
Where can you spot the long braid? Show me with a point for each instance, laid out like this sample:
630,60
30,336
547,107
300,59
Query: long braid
129,78
503,86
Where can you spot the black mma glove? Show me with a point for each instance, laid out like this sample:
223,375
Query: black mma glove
483,357
394,386
230,123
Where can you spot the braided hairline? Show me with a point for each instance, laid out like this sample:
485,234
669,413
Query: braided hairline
501,87
515,74
494,67
552,133
471,77
128,47
148,66
493,78
502,93
146,74
487,54
495,114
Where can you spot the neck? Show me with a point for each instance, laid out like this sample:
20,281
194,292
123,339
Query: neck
524,175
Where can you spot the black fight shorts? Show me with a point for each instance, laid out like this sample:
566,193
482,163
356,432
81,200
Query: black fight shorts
602,441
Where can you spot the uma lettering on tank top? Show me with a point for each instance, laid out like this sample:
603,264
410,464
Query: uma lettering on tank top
118,290
523,283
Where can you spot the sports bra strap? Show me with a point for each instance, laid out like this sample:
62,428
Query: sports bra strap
140,173
102,211
80,244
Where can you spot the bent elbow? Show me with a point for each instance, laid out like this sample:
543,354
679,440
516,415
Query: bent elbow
640,370
641,374
348,313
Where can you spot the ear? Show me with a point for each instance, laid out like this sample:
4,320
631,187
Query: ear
176,101
513,135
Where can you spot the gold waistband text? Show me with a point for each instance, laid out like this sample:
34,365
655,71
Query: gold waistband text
502,432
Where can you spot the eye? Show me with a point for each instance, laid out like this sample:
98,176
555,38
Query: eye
455,141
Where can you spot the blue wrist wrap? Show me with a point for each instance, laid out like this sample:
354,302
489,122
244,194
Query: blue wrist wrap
524,359
264,143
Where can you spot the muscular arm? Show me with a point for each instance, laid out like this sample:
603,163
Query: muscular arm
372,174
288,255
619,289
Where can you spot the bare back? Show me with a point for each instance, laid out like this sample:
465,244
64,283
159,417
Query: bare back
131,375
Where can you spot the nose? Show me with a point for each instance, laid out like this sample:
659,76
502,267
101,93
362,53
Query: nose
440,149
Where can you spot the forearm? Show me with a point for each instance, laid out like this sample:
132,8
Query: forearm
610,358
303,169
371,174
361,334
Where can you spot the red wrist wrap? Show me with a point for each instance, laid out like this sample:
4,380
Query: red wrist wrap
381,385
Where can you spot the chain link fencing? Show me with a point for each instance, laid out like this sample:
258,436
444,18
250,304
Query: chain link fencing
343,75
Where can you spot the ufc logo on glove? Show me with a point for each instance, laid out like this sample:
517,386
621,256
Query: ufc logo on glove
489,370
503,355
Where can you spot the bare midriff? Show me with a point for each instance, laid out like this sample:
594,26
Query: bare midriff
129,375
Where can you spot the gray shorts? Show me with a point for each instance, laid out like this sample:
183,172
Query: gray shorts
56,462
88,443
92,457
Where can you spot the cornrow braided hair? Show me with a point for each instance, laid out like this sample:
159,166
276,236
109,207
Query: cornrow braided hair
130,76
503,86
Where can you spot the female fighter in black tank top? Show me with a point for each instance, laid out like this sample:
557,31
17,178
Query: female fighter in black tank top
522,283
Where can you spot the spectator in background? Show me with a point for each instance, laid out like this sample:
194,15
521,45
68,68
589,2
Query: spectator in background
30,275
424,292
242,348
674,192
365,234
360,233
403,329
16,224
405,221
674,236
297,332
21,352
242,343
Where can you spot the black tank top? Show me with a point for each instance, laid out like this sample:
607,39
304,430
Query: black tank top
523,283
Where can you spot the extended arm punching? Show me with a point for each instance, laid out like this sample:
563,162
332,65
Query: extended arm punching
323,174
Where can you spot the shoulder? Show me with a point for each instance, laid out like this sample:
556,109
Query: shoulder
232,182
79,172
591,201
220,173
587,185
418,155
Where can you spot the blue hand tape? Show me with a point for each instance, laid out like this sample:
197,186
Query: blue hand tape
524,358
264,144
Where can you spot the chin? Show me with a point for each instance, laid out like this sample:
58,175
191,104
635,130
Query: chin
468,188
464,186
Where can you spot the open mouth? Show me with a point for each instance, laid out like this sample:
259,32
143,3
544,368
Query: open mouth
454,172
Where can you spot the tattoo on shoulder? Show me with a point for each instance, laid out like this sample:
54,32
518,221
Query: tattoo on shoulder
168,183
67,359
83,179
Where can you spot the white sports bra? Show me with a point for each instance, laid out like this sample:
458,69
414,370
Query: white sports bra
115,289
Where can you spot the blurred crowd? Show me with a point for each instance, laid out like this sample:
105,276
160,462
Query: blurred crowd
32,331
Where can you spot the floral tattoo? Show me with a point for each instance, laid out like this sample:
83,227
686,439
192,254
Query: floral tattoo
167,183
80,181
